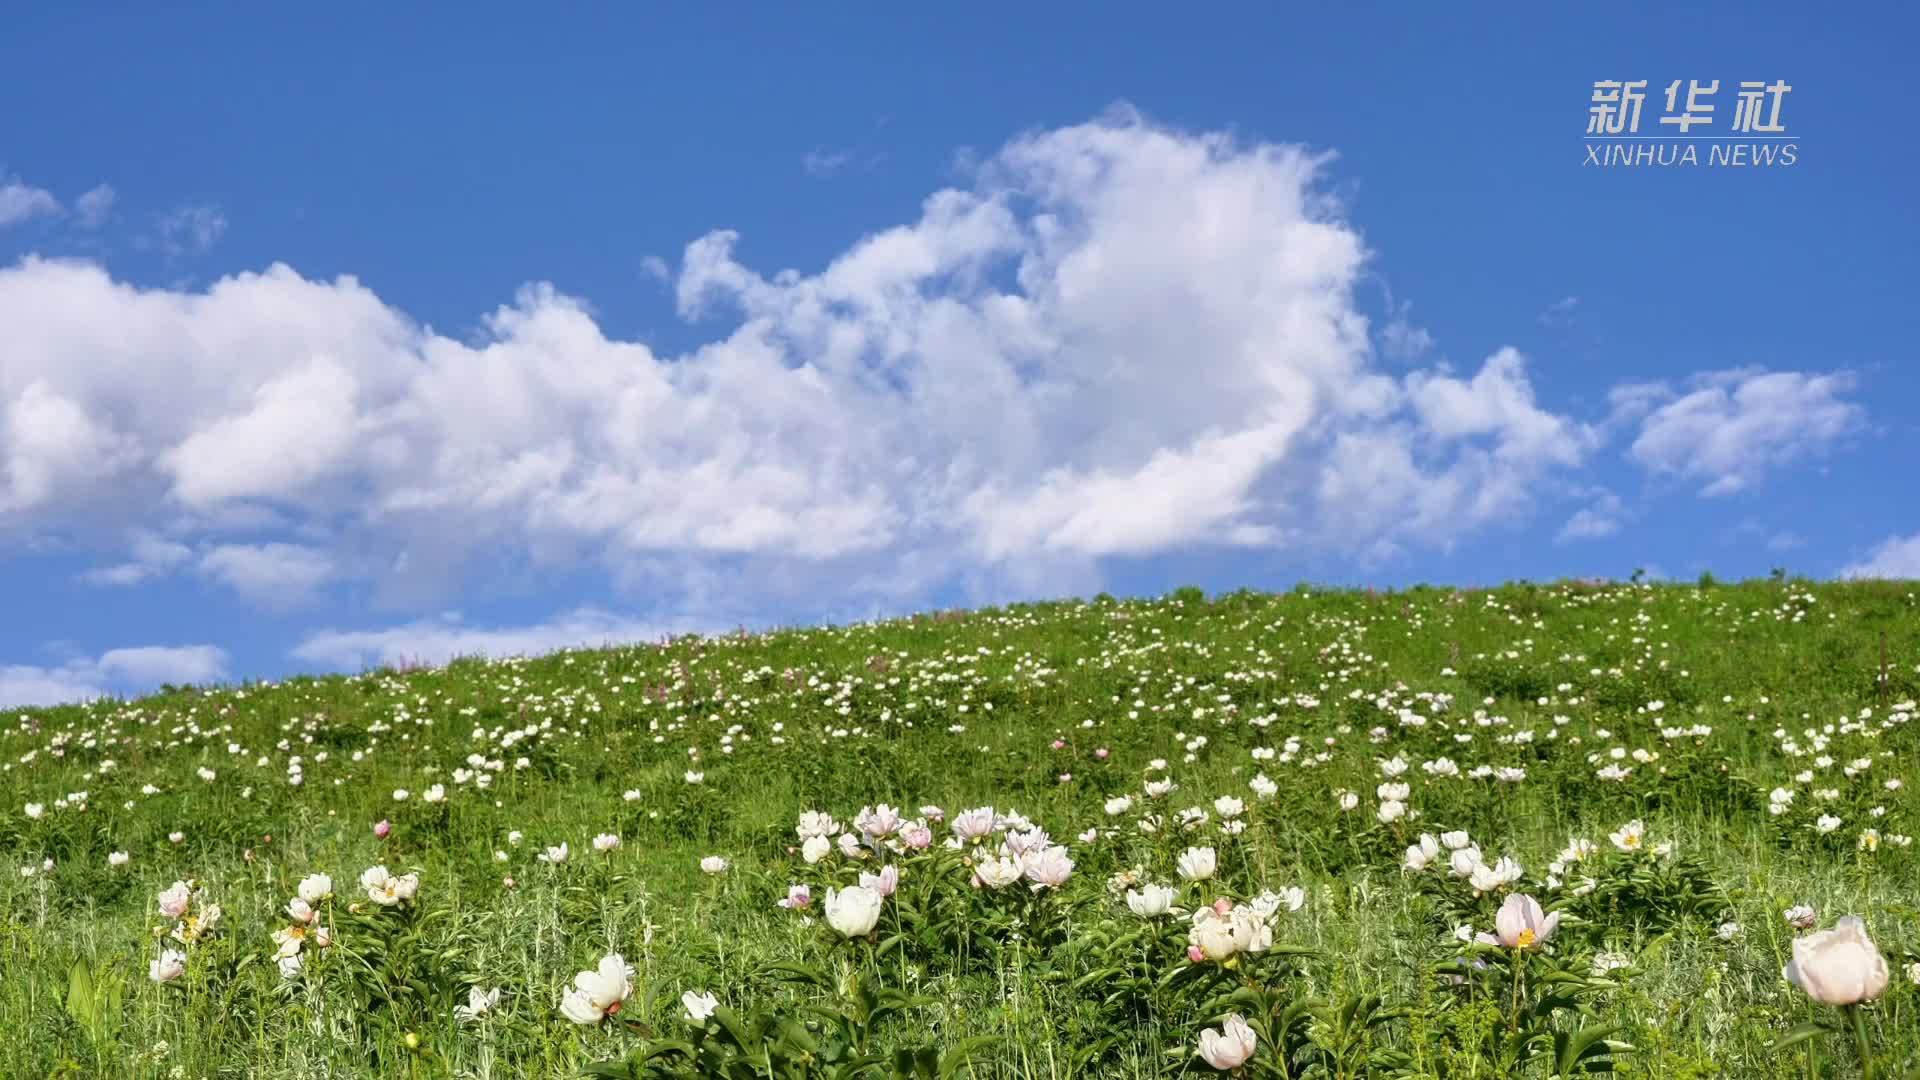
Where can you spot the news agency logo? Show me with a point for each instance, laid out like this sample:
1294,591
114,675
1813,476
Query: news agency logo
1756,136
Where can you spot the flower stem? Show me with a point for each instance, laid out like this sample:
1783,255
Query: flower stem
1860,1041
1519,967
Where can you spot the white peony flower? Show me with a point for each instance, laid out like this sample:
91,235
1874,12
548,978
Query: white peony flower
1840,966
854,911
598,993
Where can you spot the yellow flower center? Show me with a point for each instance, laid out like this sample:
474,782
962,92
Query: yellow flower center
1525,940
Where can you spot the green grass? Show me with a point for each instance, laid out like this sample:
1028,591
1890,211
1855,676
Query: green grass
961,710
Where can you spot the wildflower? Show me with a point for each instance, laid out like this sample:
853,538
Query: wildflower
288,941
598,993
695,777
854,911
387,890
118,858
884,882
1464,861
798,898
1151,901
1420,855
555,855
479,1003
1230,1045
1801,917
814,823
1840,966
972,825
1197,864
997,873
381,828
171,965
1293,898
1610,961
174,900
1218,936
605,842
1521,924
713,864
816,848
315,888
1048,868
1630,837
698,1006
878,822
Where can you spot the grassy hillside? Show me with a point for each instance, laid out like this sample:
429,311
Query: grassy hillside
1759,732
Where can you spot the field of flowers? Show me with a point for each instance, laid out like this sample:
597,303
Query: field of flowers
1530,831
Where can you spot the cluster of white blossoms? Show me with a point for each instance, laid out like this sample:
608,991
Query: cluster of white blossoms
307,926
193,918
387,889
1464,860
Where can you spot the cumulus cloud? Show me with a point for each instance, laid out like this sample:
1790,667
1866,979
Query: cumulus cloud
151,557
190,230
1601,519
276,576
1896,557
1729,428
94,207
1114,340
127,671
21,202
439,640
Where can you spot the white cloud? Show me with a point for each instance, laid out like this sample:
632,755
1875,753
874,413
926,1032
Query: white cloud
129,671
152,557
1731,427
1404,341
276,576
1601,519
1897,557
191,230
94,206
21,202
1116,340
1560,312
437,641
822,162
157,664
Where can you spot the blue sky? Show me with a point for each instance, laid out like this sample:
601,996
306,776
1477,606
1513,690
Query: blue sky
371,336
